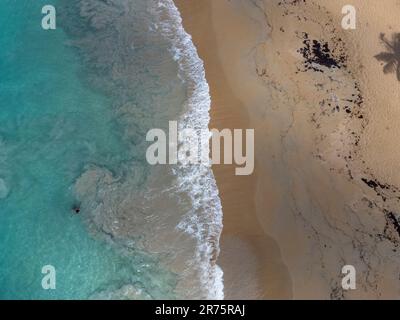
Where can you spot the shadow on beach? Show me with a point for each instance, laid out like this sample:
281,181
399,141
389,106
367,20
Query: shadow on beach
390,58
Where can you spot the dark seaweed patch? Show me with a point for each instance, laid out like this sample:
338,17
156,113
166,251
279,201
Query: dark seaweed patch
374,184
393,220
319,53
385,191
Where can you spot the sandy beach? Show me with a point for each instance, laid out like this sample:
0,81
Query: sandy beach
325,192
248,254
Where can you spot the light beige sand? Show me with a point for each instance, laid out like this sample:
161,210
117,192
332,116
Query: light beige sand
290,228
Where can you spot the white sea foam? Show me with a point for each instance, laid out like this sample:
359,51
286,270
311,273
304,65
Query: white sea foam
204,220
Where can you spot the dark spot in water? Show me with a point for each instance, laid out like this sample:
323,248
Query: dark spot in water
76,209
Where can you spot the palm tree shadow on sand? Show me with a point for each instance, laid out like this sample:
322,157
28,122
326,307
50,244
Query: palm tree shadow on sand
391,58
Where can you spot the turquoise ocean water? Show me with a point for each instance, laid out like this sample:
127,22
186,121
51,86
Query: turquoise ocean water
75,106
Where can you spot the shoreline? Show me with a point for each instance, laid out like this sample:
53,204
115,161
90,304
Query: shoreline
249,258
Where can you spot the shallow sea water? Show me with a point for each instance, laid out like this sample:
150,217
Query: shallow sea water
76,103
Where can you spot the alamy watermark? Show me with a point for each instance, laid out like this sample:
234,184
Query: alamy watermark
349,21
49,20
349,280
49,279
192,147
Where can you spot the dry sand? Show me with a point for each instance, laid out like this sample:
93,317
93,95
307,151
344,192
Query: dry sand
325,192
